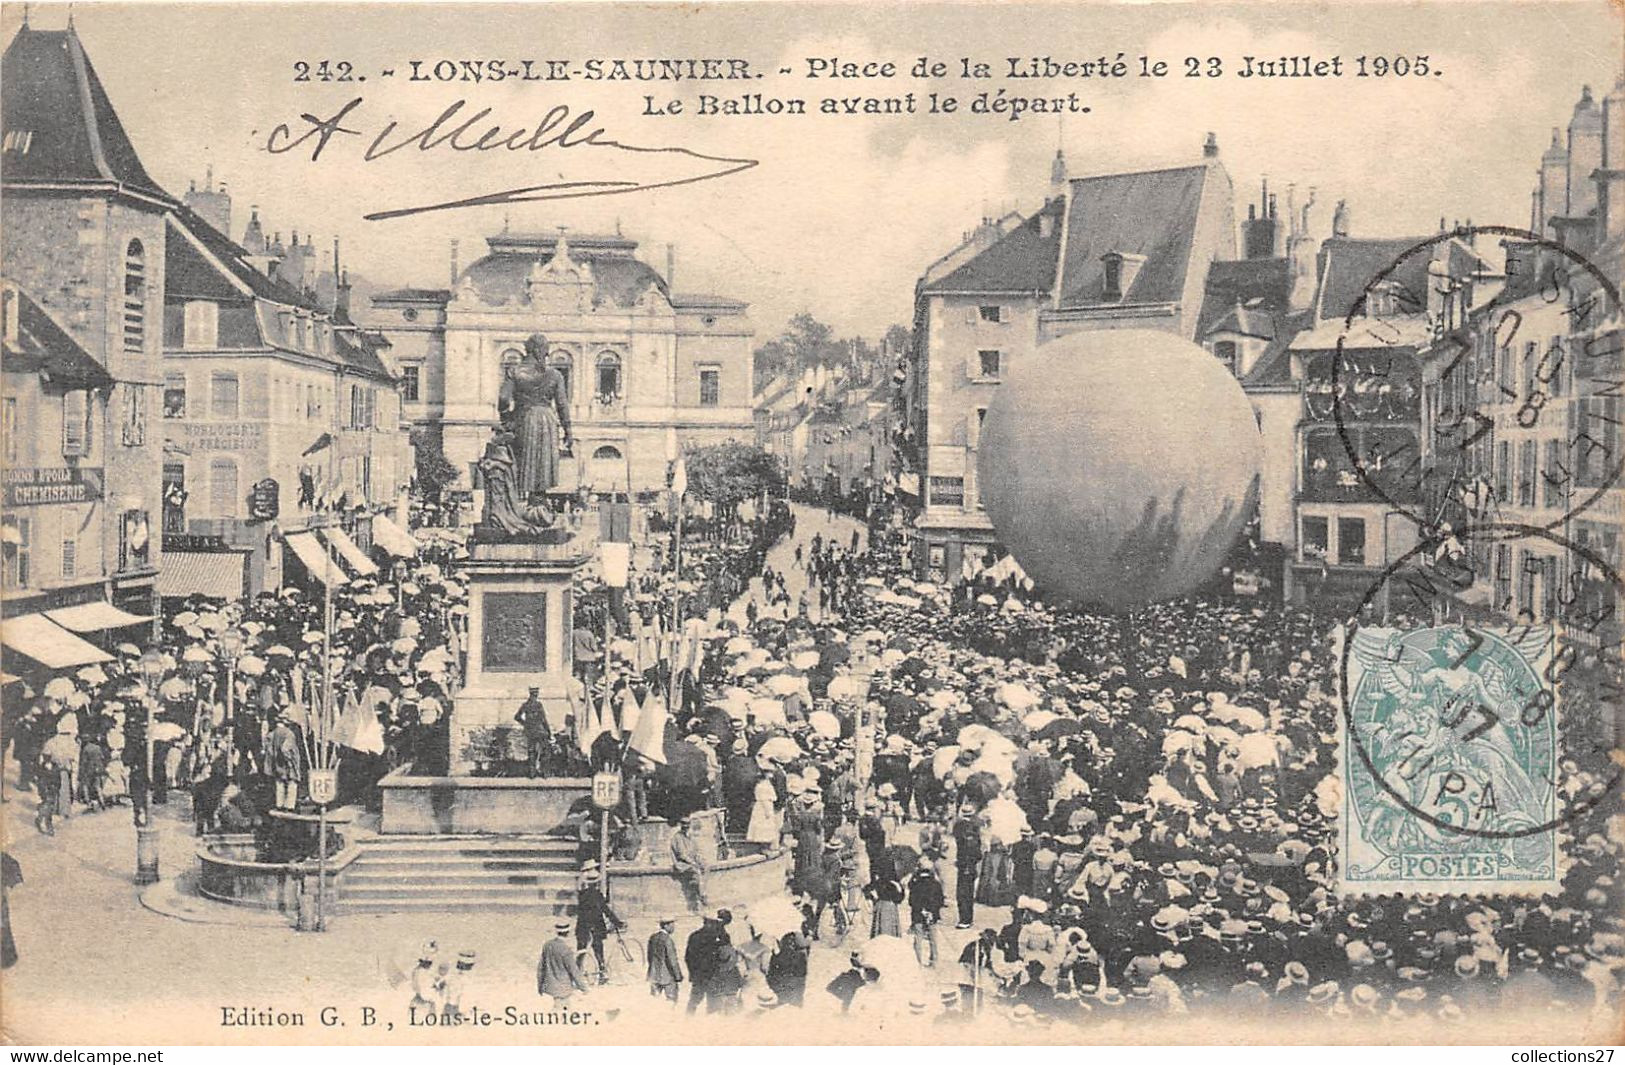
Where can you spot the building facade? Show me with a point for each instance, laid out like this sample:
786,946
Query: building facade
280,417
85,236
1115,251
649,371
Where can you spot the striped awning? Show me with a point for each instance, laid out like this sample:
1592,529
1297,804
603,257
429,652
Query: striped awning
216,574
48,643
310,551
392,538
95,617
350,552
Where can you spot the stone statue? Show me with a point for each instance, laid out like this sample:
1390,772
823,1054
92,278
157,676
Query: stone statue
535,413
508,515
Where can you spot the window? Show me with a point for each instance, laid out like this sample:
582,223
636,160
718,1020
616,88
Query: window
607,453
991,312
1316,538
70,549
1503,471
1529,566
135,296
223,395
973,428
989,363
133,415
133,543
202,324
15,535
1526,473
174,395
8,427
222,488
174,498
410,383
609,378
1225,352
1351,541
947,491
1553,477
565,365
76,438
1112,289
1549,585
710,386
1503,576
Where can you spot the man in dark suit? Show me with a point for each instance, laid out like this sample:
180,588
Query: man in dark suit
594,919
967,864
665,971
700,953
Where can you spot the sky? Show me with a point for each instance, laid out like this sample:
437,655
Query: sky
841,214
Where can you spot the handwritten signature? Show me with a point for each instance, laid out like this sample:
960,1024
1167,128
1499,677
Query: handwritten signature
474,131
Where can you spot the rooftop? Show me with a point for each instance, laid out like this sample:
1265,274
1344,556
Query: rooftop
43,347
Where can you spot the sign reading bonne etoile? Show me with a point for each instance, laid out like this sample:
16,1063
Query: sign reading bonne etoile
39,485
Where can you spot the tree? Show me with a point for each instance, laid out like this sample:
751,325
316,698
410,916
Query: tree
434,470
727,474
805,342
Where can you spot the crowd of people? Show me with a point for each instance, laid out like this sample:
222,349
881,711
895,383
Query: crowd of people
988,803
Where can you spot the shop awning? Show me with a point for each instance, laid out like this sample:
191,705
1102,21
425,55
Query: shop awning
95,617
48,643
311,552
351,552
216,574
392,538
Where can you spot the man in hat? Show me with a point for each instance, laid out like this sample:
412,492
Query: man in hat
594,919
453,986
557,974
967,865
286,762
686,860
700,953
426,983
665,971
925,902
532,717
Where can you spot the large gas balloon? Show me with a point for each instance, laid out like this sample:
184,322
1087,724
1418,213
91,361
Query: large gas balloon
1118,466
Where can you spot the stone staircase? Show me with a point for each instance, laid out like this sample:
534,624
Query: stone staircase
449,873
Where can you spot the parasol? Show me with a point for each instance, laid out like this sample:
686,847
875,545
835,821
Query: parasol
781,749
783,683
174,690
166,732
1177,742
1242,717
312,637
212,622
1037,719
774,917
251,665
1005,821
767,711
92,675
278,650
1256,750
183,619
943,761
738,645
1190,723
58,688
196,654
804,659
825,724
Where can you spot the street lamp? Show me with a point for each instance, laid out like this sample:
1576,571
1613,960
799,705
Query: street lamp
860,675
616,562
146,833
231,643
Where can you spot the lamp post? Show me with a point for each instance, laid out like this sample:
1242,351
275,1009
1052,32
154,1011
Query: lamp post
230,649
616,561
860,670
146,833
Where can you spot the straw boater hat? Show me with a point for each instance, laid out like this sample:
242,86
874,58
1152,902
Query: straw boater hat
562,925
466,959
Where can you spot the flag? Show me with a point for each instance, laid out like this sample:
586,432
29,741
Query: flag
592,725
679,478
649,737
630,711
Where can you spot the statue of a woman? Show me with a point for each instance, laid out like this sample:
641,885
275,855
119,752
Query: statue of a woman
534,409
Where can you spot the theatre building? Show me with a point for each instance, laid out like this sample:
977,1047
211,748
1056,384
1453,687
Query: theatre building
648,370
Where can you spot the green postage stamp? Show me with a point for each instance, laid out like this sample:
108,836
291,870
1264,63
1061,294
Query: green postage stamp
1449,741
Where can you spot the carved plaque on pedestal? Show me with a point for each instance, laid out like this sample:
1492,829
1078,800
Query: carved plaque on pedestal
514,631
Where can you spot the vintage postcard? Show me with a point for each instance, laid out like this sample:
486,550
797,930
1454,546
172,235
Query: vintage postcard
798,522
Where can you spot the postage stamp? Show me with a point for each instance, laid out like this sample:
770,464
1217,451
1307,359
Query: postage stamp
1449,753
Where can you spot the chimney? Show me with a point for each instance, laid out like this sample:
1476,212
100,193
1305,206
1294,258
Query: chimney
671,267
1259,234
1585,155
341,298
1340,219
1057,175
1554,173
455,268
1611,175
1046,223
1210,147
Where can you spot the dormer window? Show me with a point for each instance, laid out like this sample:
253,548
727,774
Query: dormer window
1118,272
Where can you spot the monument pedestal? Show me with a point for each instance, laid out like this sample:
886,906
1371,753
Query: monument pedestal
519,610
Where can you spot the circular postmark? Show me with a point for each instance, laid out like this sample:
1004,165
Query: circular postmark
1453,363
1494,732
